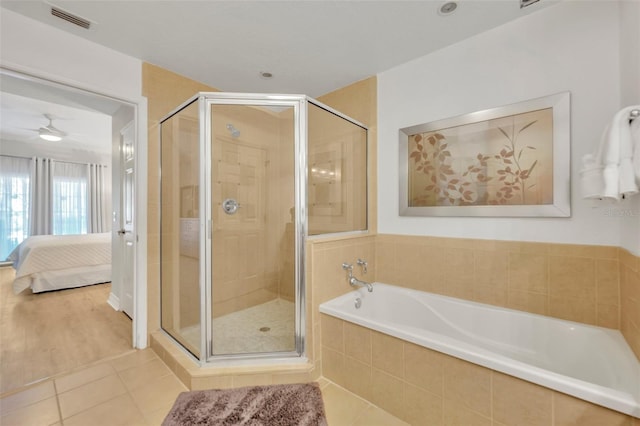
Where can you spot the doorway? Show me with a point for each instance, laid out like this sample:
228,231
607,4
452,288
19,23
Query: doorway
26,101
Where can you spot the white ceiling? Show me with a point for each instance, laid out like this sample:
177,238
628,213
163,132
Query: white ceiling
311,47
84,117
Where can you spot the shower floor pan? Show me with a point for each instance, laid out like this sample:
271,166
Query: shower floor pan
268,327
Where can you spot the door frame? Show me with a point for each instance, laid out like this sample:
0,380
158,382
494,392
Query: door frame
139,104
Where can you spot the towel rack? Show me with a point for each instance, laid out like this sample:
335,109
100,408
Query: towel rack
635,113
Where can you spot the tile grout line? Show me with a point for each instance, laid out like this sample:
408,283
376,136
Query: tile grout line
55,389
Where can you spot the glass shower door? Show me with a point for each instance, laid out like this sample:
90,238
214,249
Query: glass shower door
253,289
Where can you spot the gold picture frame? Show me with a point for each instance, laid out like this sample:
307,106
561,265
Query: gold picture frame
510,161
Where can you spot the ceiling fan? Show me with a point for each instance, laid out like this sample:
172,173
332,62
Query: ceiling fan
50,132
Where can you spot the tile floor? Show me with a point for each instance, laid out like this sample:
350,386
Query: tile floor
138,389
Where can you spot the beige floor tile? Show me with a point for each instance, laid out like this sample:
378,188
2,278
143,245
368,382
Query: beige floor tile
27,397
156,417
341,407
84,376
133,359
120,410
374,416
158,393
42,413
90,395
144,373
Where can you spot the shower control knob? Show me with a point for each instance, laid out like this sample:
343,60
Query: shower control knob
230,206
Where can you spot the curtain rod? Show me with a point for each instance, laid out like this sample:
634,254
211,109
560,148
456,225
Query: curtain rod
57,161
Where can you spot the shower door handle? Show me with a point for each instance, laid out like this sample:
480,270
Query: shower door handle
230,206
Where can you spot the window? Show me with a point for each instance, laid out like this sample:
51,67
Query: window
69,198
14,203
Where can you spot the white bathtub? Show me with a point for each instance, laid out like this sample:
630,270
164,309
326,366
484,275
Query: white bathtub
591,363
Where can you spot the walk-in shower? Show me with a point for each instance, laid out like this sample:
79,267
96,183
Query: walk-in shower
245,178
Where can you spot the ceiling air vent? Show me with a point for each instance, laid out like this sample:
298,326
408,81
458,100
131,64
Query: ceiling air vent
76,20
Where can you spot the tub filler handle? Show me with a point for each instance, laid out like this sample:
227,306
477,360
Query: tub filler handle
353,280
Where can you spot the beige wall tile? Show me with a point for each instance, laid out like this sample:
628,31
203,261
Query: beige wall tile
424,368
243,380
332,333
572,277
608,281
357,377
341,407
569,411
333,365
456,413
387,354
629,260
588,251
528,272
608,316
490,268
374,416
421,407
387,392
518,402
357,342
573,309
468,384
458,267
529,302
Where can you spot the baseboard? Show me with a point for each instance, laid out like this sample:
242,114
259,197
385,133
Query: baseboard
114,301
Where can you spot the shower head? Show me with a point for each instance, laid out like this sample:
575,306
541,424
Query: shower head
234,132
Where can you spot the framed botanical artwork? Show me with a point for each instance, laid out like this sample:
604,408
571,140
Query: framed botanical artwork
512,160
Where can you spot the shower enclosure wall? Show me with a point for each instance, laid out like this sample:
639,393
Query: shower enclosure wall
245,178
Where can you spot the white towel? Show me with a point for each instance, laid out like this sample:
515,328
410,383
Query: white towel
611,174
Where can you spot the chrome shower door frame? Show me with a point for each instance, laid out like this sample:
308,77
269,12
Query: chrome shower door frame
299,104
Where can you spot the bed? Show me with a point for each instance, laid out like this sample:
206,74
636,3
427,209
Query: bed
54,262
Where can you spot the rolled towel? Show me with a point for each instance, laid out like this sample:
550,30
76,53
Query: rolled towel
591,180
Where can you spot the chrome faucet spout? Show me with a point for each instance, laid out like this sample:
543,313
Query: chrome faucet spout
358,283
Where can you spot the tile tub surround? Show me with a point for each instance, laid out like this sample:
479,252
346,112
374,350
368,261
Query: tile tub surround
421,386
630,299
573,282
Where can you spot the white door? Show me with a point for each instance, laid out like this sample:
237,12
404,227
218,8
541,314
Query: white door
127,214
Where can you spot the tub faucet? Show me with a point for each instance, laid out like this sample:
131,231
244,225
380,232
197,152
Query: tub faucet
353,280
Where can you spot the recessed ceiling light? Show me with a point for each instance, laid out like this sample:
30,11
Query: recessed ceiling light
266,75
447,8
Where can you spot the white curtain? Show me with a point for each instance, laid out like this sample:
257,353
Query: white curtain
15,185
41,192
99,196
69,198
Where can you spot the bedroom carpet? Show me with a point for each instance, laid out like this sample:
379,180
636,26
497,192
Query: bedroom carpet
274,405
45,334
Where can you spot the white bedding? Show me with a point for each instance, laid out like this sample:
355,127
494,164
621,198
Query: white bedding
53,262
